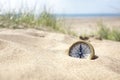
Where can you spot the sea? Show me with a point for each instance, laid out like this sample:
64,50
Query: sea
87,15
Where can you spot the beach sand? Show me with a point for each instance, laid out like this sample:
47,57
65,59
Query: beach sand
29,54
90,25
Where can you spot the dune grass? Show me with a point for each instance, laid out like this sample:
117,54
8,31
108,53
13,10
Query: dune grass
106,33
37,17
45,21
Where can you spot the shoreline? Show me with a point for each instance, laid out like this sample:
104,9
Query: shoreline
112,17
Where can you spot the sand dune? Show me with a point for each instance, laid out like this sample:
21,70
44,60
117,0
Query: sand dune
37,55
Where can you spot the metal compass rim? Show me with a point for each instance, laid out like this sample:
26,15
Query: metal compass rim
92,53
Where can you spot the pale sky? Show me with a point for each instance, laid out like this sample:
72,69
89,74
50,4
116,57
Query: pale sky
63,6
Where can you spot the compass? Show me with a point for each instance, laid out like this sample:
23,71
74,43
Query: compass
82,49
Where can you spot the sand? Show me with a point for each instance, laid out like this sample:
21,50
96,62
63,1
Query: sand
29,54
86,26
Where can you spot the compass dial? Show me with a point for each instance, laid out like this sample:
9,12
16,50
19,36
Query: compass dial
81,50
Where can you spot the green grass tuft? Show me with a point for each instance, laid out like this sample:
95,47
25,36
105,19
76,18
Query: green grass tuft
45,21
103,31
110,34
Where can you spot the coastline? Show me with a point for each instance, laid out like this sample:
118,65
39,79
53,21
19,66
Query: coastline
87,15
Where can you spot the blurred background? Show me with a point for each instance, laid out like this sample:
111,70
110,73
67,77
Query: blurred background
62,6
80,17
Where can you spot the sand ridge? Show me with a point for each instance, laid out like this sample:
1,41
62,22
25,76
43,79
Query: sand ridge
29,54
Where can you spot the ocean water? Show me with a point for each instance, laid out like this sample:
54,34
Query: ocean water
86,15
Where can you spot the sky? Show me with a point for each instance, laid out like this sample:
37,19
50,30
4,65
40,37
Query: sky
63,6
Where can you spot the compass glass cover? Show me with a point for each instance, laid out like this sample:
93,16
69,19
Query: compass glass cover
80,50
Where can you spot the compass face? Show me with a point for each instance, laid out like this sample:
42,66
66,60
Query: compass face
80,50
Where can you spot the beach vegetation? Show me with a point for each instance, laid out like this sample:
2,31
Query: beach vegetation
28,19
107,33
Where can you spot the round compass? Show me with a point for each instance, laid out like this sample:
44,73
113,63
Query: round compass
82,49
